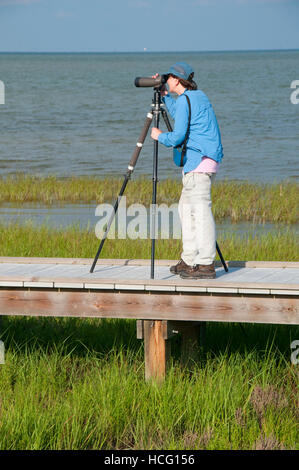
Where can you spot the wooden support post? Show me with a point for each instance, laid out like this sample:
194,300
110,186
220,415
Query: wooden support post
157,335
156,349
202,334
190,341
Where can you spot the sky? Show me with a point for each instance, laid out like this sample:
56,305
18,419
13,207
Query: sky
147,25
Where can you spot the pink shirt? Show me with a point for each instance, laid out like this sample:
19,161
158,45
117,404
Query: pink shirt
207,165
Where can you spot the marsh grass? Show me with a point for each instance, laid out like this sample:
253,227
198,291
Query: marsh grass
70,383
73,242
237,201
79,384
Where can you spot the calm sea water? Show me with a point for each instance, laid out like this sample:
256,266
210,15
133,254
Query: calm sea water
80,114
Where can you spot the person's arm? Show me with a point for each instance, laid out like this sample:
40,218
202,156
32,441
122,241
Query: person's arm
177,136
170,103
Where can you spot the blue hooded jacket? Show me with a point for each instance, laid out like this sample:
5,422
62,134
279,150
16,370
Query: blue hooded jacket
204,137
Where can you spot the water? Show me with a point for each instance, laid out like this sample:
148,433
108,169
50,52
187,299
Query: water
80,114
83,216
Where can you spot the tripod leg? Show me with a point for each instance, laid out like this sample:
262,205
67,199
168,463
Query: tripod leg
127,177
166,120
131,167
154,198
221,258
140,142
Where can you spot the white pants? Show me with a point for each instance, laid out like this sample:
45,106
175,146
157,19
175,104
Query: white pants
198,226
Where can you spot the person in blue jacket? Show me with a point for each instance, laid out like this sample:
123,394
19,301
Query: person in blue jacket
204,153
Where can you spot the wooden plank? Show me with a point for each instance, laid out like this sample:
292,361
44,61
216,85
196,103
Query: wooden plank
22,269
10,269
80,274
11,283
130,272
35,271
263,264
174,282
66,271
99,285
158,306
160,288
249,274
284,275
253,291
129,286
283,292
112,272
68,285
190,289
223,290
140,262
41,285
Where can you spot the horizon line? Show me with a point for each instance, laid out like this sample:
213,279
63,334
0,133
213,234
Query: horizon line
149,52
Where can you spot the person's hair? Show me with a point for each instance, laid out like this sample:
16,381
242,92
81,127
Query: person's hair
189,84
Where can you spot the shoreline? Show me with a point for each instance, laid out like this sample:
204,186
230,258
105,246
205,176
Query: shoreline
258,203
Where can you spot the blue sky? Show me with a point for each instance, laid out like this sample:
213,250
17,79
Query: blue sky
155,25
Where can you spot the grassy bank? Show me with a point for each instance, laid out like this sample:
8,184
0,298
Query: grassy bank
30,240
70,383
239,201
79,384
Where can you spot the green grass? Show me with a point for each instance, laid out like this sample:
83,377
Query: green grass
238,201
79,384
73,242
70,383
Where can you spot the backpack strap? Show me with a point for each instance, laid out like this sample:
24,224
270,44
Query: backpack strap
187,133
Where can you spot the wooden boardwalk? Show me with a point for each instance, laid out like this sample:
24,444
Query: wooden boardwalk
255,292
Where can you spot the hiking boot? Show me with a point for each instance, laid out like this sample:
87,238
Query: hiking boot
177,268
199,271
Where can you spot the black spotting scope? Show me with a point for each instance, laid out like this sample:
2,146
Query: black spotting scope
151,82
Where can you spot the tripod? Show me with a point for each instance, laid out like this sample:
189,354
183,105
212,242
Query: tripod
154,116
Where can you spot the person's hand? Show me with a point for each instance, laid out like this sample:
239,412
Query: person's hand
163,90
155,133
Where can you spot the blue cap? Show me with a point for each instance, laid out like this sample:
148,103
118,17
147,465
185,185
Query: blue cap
181,70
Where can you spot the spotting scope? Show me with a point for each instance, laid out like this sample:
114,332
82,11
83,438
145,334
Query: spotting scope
151,82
